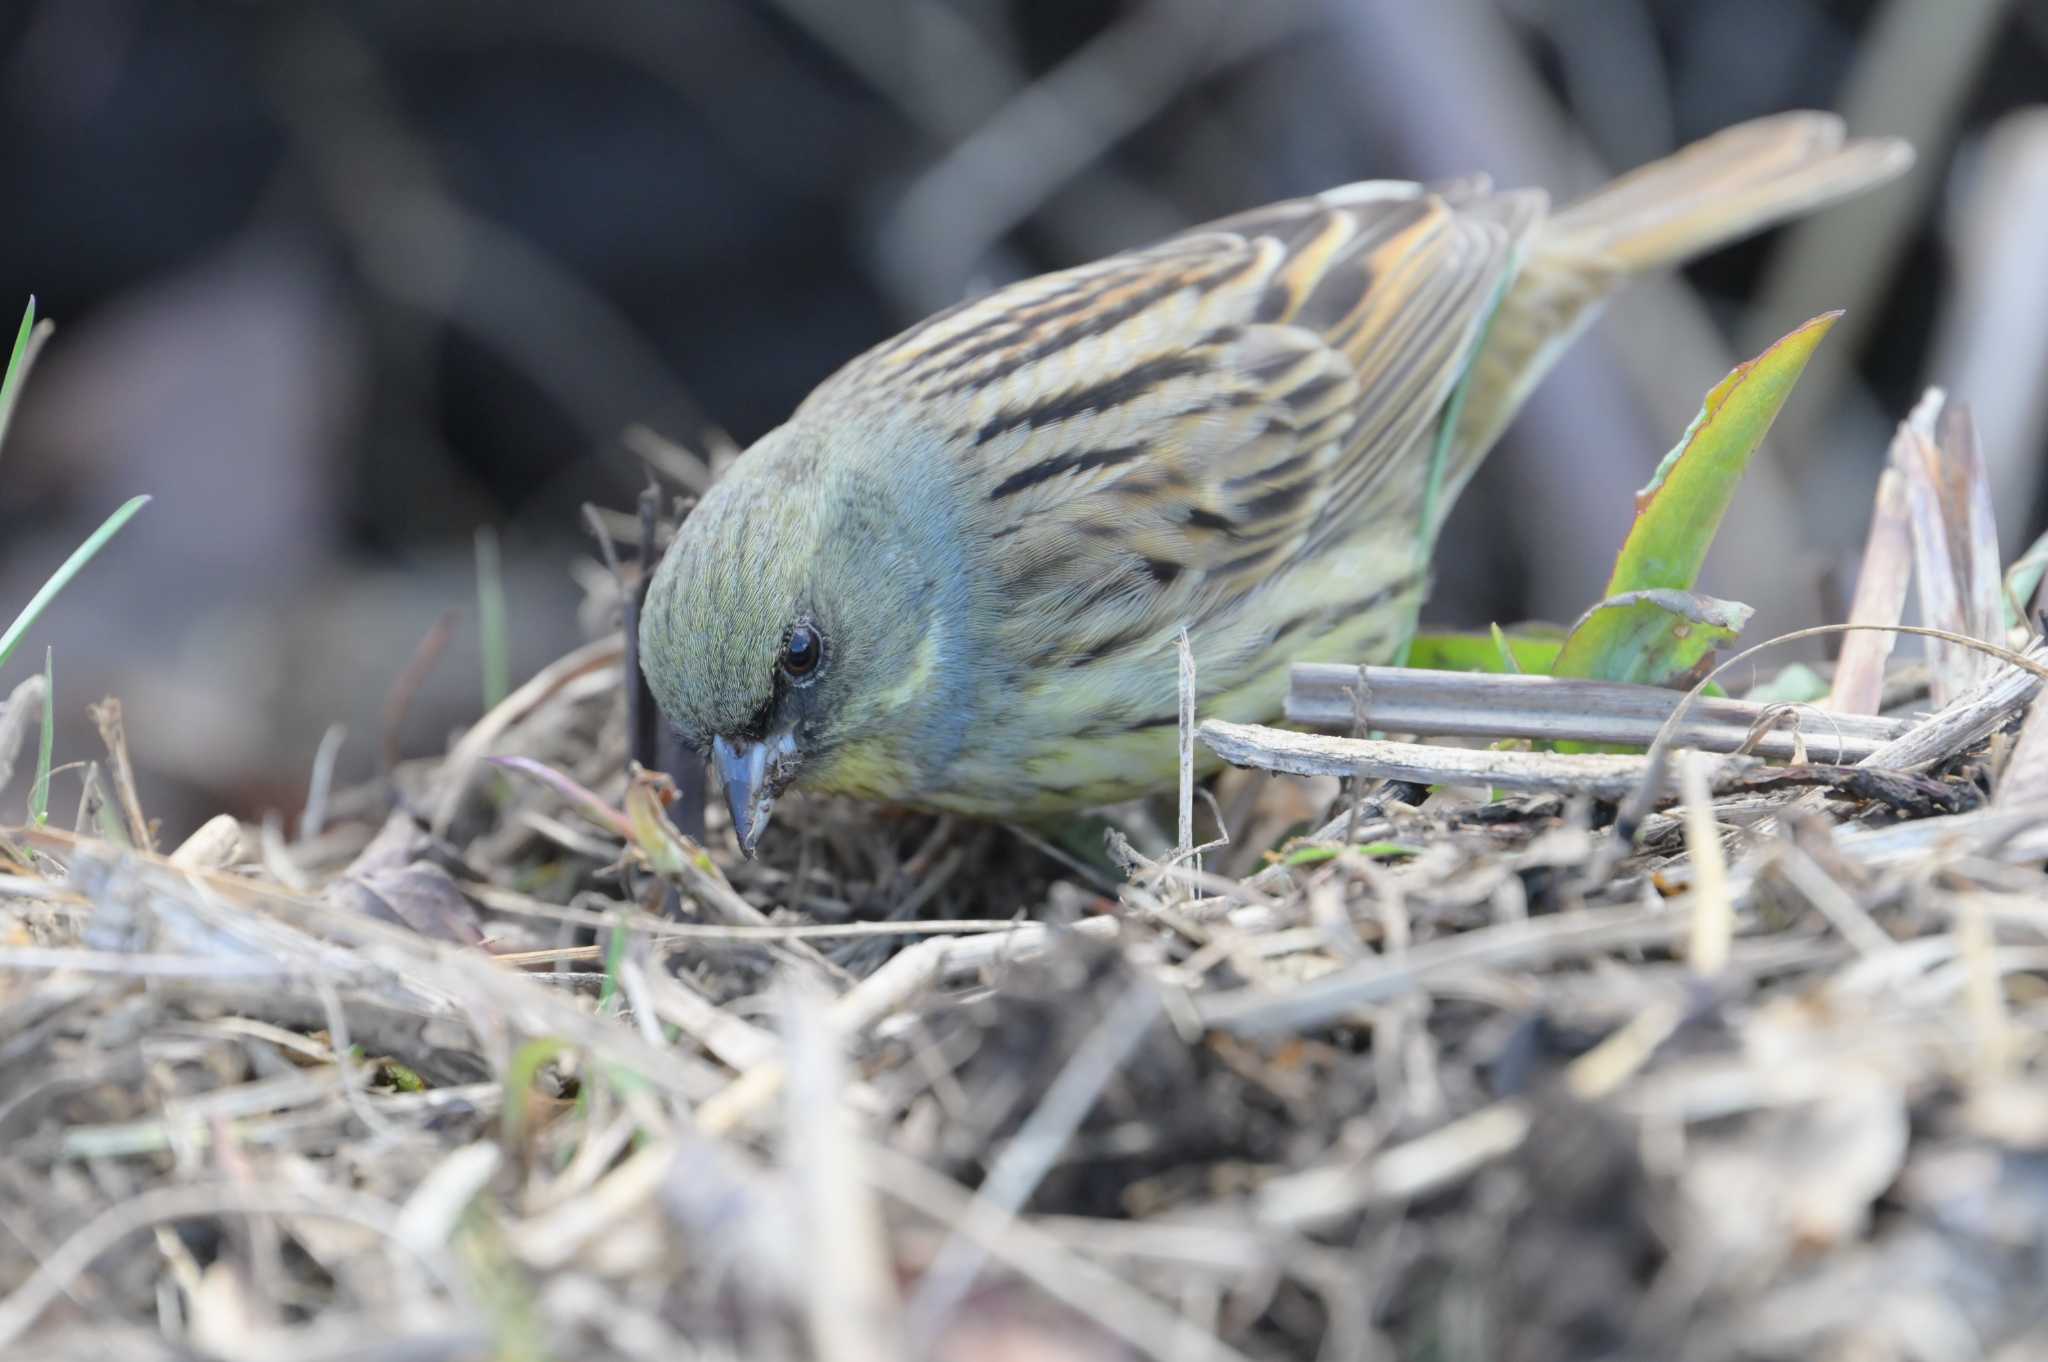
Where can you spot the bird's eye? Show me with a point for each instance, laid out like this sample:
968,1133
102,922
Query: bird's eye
802,651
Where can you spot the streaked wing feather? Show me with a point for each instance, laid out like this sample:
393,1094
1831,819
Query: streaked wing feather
1150,437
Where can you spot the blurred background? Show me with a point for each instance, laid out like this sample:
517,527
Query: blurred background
341,284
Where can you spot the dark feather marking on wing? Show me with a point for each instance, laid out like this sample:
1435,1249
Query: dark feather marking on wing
1163,571
1309,393
1272,472
1271,368
1064,463
1297,622
1051,338
1274,302
1112,392
1244,562
1203,519
1103,592
1079,291
1351,275
1001,334
1275,502
904,338
1014,329
1113,645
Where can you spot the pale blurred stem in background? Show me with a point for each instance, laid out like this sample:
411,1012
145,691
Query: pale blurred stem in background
1047,133
947,81
1912,78
1011,150
1992,344
433,258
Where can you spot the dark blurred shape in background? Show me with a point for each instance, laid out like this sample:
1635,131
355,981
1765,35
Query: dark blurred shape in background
342,283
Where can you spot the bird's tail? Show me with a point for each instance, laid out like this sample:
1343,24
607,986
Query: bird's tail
1718,190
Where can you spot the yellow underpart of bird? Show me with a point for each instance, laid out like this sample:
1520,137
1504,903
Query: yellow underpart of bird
955,577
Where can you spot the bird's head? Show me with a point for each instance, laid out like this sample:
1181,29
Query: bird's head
802,629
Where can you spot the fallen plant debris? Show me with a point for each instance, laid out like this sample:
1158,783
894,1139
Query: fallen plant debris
850,1103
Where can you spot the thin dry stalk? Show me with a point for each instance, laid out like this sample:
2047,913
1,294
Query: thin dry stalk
468,754
1026,1159
2025,778
164,1205
1990,1028
107,714
1185,853
398,700
850,1300
1557,709
1308,754
24,708
908,976
320,785
1530,943
1955,537
1858,686
1713,911
1123,1311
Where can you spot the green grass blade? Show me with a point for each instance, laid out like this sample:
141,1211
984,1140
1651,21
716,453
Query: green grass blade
39,793
1473,652
490,618
27,341
17,362
2023,582
61,578
1506,651
1678,514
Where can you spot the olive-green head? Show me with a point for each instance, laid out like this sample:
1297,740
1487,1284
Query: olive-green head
797,630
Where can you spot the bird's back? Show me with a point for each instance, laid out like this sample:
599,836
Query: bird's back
1251,431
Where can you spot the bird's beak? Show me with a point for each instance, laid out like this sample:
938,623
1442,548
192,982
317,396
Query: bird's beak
753,773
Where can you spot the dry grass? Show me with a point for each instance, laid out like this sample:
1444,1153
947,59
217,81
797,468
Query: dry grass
1485,1085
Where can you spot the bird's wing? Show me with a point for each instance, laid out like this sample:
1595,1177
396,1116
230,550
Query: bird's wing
1146,439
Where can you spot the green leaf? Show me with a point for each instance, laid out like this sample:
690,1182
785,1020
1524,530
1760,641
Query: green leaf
1376,850
61,578
1679,512
1654,638
39,793
1505,651
1795,684
27,341
614,956
527,1062
1469,652
403,1078
2022,580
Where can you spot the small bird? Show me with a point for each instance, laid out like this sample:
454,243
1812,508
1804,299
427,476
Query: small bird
955,578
